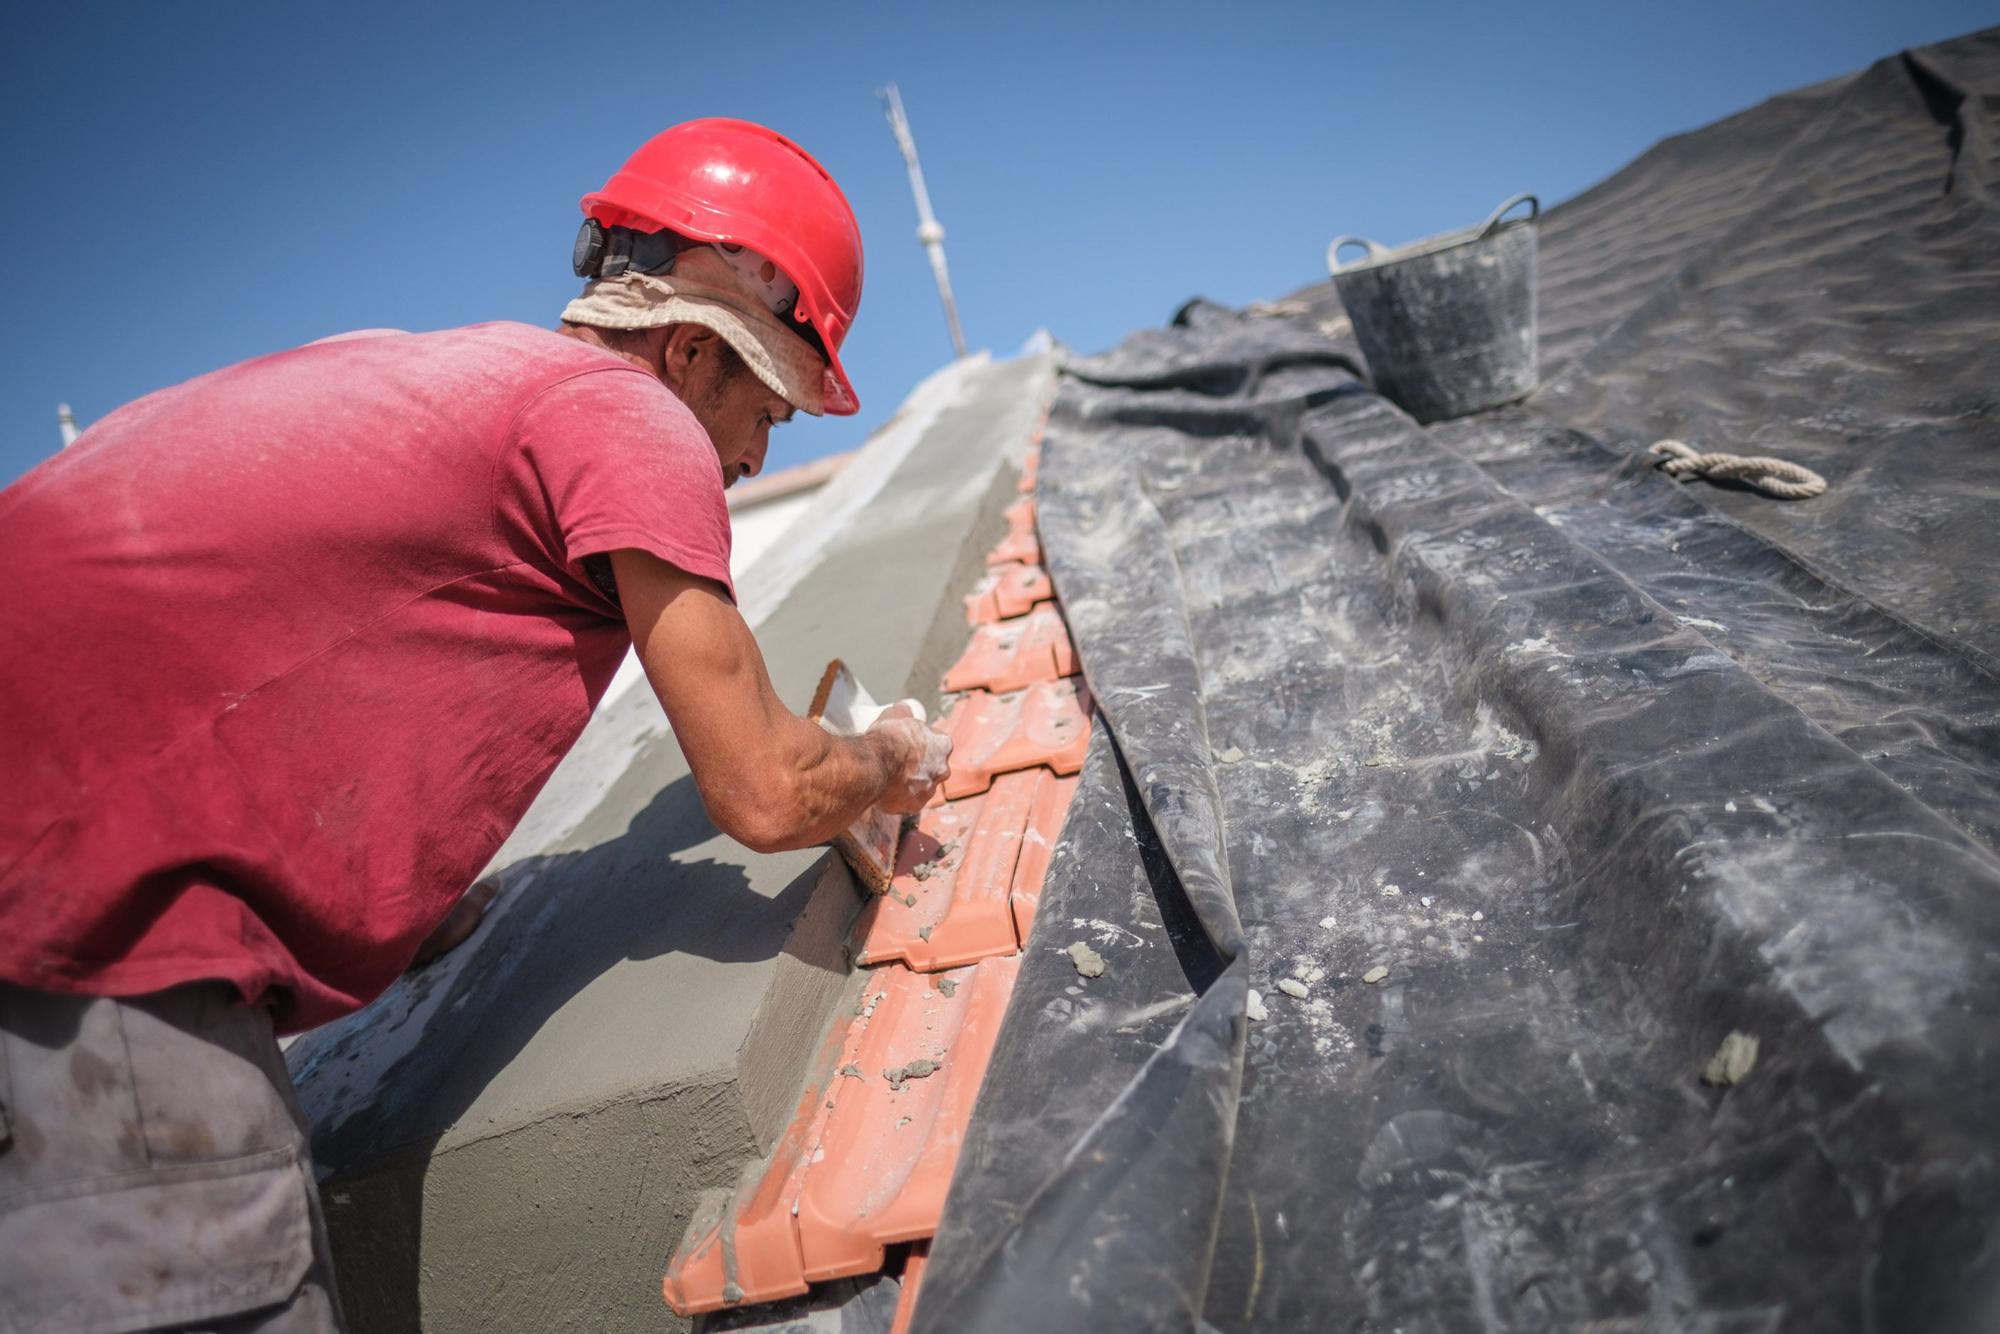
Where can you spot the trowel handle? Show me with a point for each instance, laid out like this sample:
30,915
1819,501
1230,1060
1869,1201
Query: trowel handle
1493,222
1333,250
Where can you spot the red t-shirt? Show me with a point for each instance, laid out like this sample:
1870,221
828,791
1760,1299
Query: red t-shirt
286,651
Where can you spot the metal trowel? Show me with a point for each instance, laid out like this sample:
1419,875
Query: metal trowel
842,706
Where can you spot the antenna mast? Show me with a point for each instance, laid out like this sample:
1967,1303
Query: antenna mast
928,230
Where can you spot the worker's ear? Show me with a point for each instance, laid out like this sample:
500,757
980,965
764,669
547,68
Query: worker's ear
686,346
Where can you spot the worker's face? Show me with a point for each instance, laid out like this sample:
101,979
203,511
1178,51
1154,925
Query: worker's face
731,403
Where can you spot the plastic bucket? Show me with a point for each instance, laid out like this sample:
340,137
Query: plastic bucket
1447,323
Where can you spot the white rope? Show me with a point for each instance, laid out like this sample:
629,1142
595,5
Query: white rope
1774,477
1291,306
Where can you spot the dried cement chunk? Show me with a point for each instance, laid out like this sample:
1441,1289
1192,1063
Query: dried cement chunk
1733,1061
918,1069
938,864
948,985
850,1071
1255,1008
1089,963
1375,975
1232,755
1294,988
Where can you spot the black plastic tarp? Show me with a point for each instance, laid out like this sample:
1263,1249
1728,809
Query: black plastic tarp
1514,778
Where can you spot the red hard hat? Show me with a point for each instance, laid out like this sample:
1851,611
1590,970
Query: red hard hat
736,182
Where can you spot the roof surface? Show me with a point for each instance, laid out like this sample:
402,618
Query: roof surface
1521,782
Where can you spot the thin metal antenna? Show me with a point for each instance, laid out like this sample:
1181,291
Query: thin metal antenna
928,230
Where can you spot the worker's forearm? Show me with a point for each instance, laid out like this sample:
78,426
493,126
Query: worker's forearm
769,778
825,785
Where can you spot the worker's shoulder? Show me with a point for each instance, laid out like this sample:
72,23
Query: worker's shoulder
493,381
503,363
524,348
518,351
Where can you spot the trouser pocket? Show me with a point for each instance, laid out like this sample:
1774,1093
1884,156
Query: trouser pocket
166,1246
159,1174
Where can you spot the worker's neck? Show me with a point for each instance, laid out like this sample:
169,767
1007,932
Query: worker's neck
633,345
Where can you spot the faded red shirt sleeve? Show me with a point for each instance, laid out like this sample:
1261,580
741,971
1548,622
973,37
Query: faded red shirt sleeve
618,461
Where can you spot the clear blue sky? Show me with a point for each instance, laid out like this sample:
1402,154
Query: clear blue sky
188,185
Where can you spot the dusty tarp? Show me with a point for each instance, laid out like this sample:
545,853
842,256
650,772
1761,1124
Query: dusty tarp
1519,781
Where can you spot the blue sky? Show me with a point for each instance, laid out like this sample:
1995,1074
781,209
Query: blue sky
193,184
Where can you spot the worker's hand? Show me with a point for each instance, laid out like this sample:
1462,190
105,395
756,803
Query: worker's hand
919,754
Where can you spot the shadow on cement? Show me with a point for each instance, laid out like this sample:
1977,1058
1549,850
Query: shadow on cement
563,920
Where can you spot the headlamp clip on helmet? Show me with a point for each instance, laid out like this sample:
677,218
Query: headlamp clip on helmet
606,252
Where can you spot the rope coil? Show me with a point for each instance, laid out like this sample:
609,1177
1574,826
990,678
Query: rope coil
1774,477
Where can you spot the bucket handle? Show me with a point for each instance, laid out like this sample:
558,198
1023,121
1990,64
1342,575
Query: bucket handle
1491,225
1333,250
1493,222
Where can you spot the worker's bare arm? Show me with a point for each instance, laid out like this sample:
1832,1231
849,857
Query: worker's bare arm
769,778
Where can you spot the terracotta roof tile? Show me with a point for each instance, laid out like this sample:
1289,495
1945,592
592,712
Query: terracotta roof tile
880,1170
991,734
1011,654
1045,824
866,1162
869,1154
1009,589
913,1282
1020,544
952,900
741,1246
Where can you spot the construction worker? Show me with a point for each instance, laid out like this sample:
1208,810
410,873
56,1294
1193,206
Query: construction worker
289,649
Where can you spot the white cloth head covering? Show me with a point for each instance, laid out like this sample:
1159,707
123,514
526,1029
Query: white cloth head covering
706,289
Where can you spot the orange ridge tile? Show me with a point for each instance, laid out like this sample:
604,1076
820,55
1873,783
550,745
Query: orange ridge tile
867,1159
741,1247
1041,429
969,876
913,1280
1020,544
1047,723
881,1168
947,904
950,902
1007,590
1045,824
1011,654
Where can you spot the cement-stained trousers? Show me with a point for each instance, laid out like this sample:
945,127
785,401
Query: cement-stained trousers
154,1171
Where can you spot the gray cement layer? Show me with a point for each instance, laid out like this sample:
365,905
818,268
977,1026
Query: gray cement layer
513,1138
